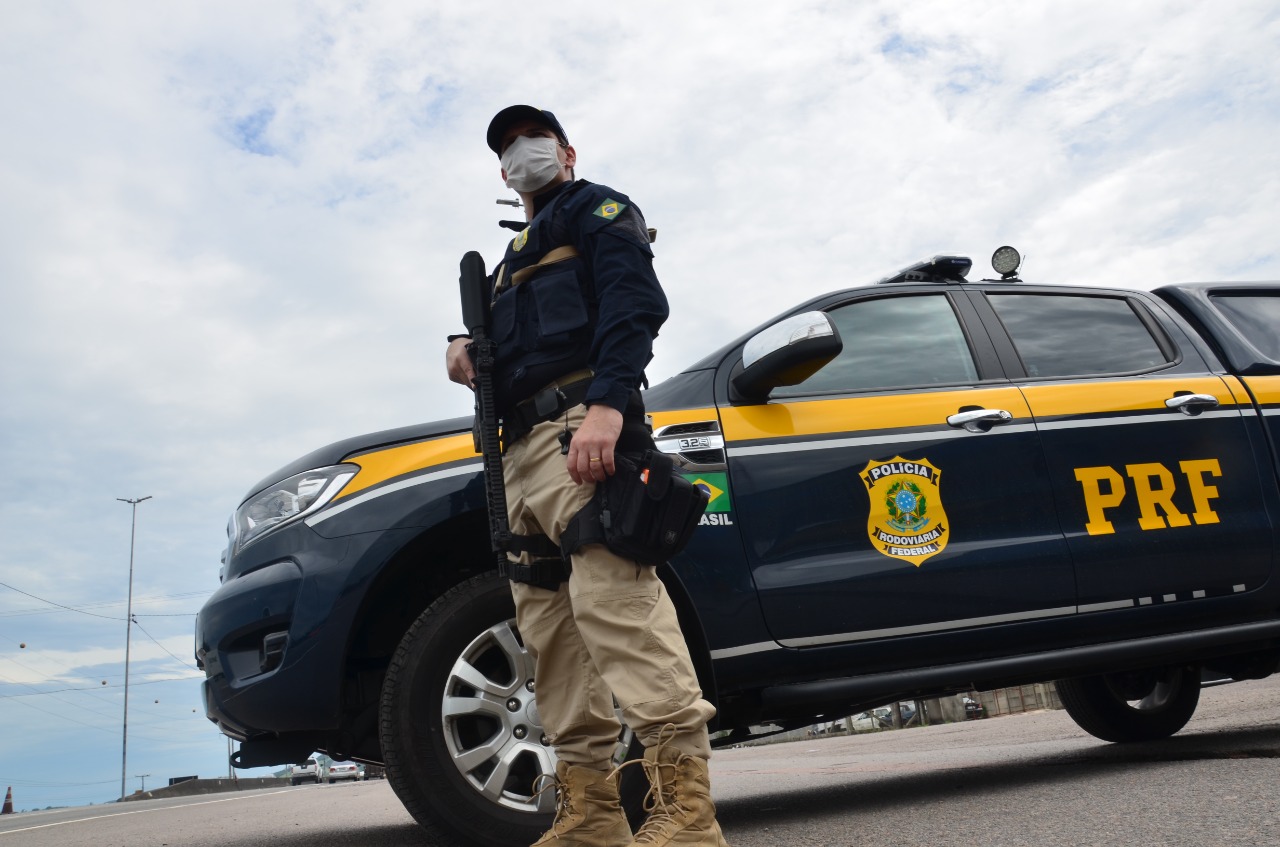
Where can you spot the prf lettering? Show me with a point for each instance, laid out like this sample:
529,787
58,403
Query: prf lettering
1154,486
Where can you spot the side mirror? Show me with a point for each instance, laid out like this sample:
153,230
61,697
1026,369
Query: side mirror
787,353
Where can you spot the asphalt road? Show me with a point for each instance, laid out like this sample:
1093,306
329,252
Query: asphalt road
1031,779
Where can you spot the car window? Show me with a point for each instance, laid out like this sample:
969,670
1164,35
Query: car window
1077,335
1257,316
893,342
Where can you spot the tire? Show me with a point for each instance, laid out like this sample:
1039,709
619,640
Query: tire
461,737
1145,705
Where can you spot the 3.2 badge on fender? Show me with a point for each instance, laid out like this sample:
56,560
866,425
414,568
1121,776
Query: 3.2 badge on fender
906,520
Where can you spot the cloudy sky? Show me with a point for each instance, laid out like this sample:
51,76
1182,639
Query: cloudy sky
229,234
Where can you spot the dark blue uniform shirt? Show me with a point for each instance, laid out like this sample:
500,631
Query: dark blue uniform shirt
600,309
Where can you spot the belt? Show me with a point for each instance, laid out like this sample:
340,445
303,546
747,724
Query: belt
548,403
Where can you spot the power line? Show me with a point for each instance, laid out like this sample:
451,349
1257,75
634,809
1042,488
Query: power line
35,783
33,688
28,613
158,598
74,670
149,598
165,649
82,609
59,605
59,699
94,687
109,730
47,713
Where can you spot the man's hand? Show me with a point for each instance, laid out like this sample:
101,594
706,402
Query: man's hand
591,450
458,362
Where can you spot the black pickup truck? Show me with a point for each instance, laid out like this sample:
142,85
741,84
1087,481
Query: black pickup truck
918,487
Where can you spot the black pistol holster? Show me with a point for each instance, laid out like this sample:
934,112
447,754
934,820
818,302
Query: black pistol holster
645,511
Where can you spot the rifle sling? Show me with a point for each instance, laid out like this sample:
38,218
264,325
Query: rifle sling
558,254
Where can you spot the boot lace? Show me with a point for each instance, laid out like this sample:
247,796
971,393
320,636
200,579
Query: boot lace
661,803
564,805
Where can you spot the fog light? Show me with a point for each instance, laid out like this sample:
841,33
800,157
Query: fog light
272,653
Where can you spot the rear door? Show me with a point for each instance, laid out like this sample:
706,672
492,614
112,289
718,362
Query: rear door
1149,455
866,514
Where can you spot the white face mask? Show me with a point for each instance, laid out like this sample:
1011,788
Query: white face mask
530,163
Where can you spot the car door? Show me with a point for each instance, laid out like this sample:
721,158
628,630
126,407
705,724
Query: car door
1252,314
869,510
1152,467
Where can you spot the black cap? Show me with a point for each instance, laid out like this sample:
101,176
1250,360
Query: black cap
512,114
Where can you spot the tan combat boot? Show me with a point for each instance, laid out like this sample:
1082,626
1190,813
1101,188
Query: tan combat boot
679,801
588,813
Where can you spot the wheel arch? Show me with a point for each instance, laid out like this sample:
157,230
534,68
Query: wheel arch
694,636
424,568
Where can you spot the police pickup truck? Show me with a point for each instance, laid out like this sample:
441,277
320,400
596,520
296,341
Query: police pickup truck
919,487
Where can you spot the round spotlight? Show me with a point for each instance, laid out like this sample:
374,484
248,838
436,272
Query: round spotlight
1006,261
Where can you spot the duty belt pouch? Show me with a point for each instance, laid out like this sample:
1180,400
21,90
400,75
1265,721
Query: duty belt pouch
645,511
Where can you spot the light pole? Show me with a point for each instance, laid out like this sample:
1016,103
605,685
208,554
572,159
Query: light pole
128,632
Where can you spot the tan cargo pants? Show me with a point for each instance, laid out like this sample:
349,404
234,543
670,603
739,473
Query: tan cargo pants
610,631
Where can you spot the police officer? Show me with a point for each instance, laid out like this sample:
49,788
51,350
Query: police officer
576,308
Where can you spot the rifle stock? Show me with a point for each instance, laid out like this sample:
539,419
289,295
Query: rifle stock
474,288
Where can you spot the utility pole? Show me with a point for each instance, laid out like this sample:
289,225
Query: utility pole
143,777
128,633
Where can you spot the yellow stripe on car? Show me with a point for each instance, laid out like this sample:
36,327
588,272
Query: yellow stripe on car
1265,388
820,417
1091,397
382,465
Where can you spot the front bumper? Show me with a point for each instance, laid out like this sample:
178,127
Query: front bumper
273,637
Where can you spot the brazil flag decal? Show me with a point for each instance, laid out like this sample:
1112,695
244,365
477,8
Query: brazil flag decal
906,520
718,507
610,209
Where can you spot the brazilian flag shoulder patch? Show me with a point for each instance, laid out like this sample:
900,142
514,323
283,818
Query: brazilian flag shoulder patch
609,209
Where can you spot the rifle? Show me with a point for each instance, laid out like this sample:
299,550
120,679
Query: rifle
474,286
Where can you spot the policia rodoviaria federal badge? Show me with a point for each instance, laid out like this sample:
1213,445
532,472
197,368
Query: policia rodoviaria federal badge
906,519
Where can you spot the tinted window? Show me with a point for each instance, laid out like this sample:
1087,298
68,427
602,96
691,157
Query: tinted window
1077,335
1257,317
893,342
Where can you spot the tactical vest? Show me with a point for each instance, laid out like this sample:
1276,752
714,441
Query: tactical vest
543,317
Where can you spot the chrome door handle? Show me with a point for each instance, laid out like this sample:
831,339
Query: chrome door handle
978,420
1192,404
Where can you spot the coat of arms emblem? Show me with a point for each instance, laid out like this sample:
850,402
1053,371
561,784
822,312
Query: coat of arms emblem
906,519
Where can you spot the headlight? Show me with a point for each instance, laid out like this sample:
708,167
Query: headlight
287,501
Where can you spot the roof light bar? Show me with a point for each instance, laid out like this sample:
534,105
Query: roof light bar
937,269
